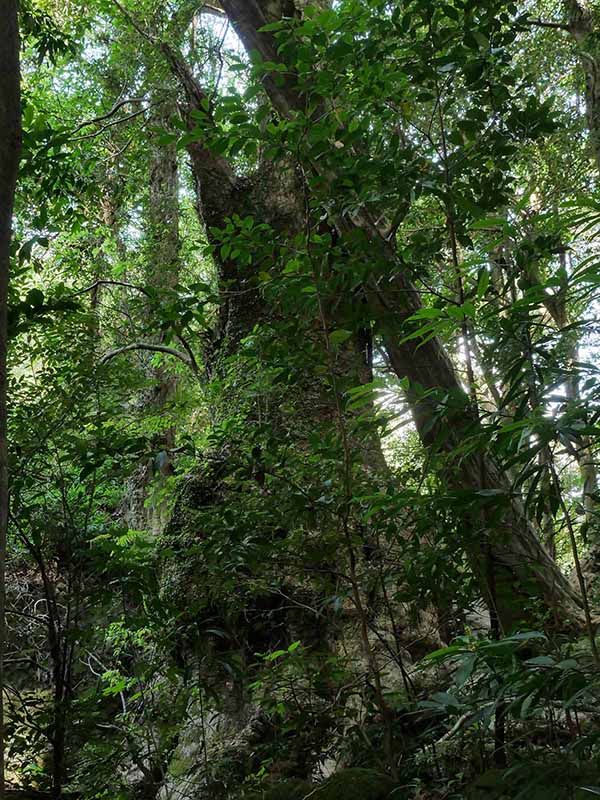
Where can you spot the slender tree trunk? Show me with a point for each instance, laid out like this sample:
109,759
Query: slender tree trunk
10,148
163,269
558,311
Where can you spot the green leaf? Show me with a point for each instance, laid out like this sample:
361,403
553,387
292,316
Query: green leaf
541,661
465,670
35,298
338,337
526,705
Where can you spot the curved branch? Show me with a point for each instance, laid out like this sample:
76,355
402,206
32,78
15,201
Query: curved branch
109,114
153,348
102,282
108,125
188,350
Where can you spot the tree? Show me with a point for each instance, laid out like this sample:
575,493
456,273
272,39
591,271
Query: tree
337,264
10,147
514,555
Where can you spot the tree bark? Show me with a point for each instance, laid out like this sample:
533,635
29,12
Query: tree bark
10,148
584,29
273,194
162,276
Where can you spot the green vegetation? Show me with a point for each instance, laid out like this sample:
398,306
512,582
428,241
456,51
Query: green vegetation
303,399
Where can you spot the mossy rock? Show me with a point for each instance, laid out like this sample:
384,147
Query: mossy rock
286,790
539,782
347,784
356,784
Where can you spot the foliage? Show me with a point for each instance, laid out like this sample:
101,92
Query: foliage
253,521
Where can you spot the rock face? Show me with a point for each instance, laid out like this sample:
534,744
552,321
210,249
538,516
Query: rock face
211,753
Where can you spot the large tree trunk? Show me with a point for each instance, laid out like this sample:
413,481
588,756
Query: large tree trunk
513,567
10,148
274,195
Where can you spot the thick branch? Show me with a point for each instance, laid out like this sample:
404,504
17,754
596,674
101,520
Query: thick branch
540,23
247,18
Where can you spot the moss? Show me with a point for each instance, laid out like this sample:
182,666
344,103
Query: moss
347,784
536,781
287,790
356,784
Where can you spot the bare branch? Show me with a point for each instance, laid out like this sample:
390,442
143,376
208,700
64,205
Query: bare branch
112,124
153,348
98,283
540,23
212,8
110,113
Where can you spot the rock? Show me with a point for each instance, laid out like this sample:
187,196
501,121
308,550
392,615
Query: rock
350,784
286,790
356,784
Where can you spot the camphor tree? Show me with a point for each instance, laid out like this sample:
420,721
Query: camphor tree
519,565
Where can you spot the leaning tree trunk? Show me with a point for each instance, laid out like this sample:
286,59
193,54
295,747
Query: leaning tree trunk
10,148
512,565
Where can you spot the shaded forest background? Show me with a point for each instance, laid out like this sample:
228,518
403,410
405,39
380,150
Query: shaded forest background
301,485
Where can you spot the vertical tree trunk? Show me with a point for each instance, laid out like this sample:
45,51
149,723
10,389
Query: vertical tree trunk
584,28
163,268
10,148
583,24
558,311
